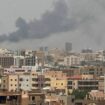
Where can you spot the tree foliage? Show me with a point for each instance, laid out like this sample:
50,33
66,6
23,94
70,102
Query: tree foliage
80,94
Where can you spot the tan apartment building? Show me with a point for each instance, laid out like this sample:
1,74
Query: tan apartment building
93,70
54,74
60,85
101,84
13,82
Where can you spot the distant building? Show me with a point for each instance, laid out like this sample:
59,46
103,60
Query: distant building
87,51
18,61
72,60
6,60
93,70
68,47
43,48
29,61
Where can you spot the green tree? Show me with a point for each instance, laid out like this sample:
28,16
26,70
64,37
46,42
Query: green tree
80,94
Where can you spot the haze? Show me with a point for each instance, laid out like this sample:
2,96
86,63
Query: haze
35,23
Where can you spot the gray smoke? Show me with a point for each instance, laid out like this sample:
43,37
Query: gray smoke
69,15
51,22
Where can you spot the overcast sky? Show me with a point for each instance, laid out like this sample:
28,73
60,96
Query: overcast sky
52,23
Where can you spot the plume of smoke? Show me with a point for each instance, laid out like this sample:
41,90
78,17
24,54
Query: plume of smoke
59,20
51,22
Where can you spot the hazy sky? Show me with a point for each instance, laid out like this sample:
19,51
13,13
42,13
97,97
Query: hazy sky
52,23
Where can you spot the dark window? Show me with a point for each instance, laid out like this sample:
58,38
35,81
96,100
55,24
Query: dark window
4,81
21,79
34,79
33,98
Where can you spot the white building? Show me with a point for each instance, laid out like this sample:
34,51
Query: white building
18,60
25,82
72,60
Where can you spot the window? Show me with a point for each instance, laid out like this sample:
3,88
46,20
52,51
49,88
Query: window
33,74
11,79
33,98
61,83
47,79
35,85
11,85
15,79
21,79
34,79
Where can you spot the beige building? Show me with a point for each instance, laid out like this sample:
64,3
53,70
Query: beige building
13,82
101,83
34,80
54,74
93,70
60,85
96,95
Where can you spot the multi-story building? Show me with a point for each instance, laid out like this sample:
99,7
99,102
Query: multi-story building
72,60
101,83
17,70
47,81
1,71
60,85
93,70
18,61
4,83
54,74
89,56
25,82
71,71
82,84
6,60
41,57
38,81
13,82
34,81
29,61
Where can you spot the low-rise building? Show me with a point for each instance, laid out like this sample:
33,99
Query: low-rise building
13,82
